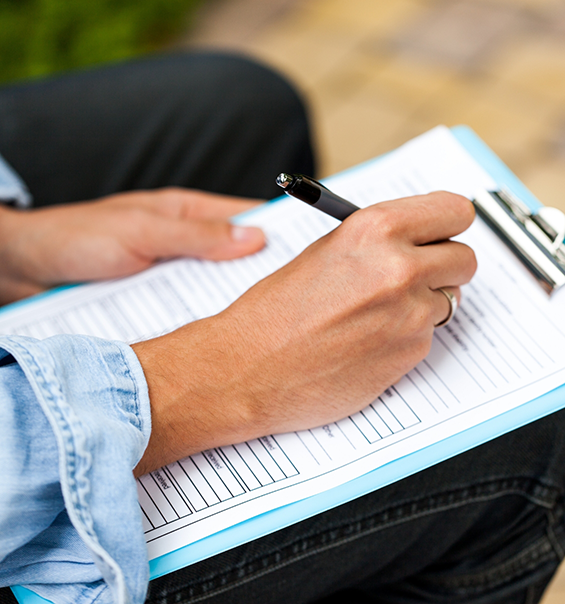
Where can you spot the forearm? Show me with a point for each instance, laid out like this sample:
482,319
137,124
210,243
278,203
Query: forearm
15,282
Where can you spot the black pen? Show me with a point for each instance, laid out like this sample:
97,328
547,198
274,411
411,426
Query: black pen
315,194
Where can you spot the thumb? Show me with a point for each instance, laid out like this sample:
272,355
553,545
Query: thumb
241,241
208,239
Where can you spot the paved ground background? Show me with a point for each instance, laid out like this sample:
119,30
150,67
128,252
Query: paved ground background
379,72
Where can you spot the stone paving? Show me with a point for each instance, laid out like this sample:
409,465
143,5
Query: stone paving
379,72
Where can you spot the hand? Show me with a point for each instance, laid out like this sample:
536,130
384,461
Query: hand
117,236
316,341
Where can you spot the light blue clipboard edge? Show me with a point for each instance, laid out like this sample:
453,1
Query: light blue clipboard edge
279,518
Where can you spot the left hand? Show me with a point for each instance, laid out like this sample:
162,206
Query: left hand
117,236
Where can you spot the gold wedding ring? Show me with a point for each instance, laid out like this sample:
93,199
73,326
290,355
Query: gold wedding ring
452,306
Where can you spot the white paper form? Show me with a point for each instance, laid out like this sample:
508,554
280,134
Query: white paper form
504,347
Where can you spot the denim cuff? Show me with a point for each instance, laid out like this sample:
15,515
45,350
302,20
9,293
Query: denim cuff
94,396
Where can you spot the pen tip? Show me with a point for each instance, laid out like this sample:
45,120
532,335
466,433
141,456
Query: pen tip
284,180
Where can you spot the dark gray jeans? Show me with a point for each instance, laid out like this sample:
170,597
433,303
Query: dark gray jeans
485,527
210,121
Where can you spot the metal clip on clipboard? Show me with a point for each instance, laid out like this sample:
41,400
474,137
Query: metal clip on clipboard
537,239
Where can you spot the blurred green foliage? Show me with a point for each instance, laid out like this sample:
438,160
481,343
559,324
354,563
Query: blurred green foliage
38,37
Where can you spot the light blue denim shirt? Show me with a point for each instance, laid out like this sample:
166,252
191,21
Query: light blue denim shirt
74,421
12,188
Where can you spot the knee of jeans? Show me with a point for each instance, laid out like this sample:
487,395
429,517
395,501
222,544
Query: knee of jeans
236,78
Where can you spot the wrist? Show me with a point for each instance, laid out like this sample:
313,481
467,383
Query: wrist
14,282
194,405
7,217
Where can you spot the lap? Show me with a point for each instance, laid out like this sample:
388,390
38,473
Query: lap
211,121
486,526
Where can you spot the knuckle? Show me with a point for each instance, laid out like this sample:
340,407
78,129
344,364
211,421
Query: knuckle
422,318
373,224
136,216
421,349
376,245
387,223
171,197
416,332
402,271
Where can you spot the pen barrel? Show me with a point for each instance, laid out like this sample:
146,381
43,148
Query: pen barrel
315,194
335,206
305,190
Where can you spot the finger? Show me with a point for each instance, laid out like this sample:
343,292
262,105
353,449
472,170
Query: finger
429,218
447,263
443,308
188,203
208,206
210,239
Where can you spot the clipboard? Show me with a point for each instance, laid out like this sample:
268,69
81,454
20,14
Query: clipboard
536,237
282,517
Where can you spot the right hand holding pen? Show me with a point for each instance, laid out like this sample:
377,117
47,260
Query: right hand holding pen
317,340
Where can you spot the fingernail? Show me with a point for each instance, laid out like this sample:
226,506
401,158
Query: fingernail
244,234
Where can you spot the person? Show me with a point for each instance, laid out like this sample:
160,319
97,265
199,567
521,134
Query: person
310,344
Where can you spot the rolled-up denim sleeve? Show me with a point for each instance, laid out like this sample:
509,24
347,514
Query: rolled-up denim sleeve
74,422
